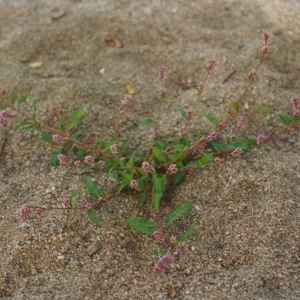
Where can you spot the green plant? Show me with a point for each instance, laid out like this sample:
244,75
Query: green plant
148,172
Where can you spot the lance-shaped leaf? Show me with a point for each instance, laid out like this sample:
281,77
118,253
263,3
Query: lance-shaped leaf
77,115
141,225
158,189
185,235
177,213
212,119
181,111
93,217
46,136
287,120
147,121
92,188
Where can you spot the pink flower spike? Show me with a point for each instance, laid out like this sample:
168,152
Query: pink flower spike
241,122
296,106
217,160
6,114
89,160
101,163
114,149
161,73
261,139
147,168
201,85
62,159
22,136
251,75
111,181
88,205
24,212
66,202
77,163
181,248
237,152
38,212
172,169
126,100
53,111
266,37
161,91
58,139
212,136
265,49
163,263
134,184
210,65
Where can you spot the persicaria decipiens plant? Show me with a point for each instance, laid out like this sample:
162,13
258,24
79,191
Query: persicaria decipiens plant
163,161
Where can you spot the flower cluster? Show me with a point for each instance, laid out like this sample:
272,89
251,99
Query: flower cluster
58,139
163,263
161,73
172,169
210,65
147,167
89,160
126,100
111,181
24,212
62,159
54,112
5,115
296,106
261,139
134,184
66,203
212,136
241,122
114,149
237,152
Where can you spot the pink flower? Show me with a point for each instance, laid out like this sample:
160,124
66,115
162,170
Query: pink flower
251,75
38,212
111,181
24,212
134,184
5,115
212,136
126,100
181,248
54,111
237,152
163,263
89,160
62,159
161,91
114,149
101,163
161,73
147,167
296,106
261,139
201,85
210,65
58,139
77,163
66,202
217,160
241,122
266,37
265,49
172,169
88,205
189,115
22,136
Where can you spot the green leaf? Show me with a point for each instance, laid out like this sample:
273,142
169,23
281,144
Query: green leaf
92,188
221,147
160,144
287,120
77,115
234,105
212,119
143,197
205,159
74,194
177,213
297,120
185,235
26,125
141,225
54,156
61,124
46,136
147,121
266,109
181,111
93,217
177,177
158,189
158,154
19,101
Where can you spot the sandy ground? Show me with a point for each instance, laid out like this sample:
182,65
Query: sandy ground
247,243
